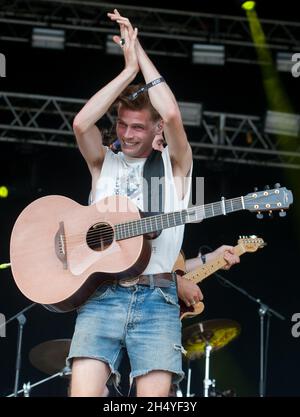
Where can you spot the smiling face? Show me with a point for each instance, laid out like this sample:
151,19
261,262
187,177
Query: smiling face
136,131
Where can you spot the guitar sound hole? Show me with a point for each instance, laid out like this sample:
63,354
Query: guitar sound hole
100,236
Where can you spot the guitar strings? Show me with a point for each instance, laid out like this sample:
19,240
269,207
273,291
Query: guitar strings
127,228
164,219
93,236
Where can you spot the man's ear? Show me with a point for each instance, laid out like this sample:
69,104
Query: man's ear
160,127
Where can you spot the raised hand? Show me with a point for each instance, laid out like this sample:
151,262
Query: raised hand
127,39
123,22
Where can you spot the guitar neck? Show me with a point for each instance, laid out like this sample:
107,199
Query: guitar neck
209,268
164,221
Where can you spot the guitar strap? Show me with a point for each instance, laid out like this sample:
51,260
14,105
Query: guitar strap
154,176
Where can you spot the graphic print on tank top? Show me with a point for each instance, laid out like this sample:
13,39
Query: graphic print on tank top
129,182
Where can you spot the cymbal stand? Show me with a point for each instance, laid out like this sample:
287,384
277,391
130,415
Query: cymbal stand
207,382
188,386
178,392
28,387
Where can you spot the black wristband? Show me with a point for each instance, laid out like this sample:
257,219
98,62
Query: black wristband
146,87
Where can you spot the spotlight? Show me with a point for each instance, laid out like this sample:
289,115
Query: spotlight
248,5
284,61
208,54
191,113
3,191
280,123
111,47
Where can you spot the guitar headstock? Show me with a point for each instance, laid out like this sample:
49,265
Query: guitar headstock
251,243
269,200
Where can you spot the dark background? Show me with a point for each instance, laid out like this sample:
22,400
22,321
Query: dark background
270,274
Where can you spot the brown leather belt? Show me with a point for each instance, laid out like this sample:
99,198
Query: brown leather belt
157,280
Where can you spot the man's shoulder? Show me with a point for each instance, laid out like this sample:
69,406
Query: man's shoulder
113,156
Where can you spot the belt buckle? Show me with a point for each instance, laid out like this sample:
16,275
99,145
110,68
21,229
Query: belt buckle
128,282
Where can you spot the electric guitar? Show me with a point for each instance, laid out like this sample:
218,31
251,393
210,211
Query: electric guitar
245,244
61,251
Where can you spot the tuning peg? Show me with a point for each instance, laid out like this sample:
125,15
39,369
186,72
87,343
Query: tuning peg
277,185
270,214
259,215
282,213
266,187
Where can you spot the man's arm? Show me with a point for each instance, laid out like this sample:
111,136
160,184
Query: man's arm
164,102
87,134
225,250
188,291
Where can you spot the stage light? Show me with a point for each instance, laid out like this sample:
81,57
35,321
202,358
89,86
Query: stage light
2,66
280,123
191,113
208,54
284,61
48,38
3,191
112,48
248,5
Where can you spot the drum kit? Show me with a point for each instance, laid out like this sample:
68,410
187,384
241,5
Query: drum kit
198,340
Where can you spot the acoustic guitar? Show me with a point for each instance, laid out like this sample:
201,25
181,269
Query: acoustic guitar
61,251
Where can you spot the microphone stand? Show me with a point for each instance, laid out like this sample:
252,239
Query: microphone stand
21,321
16,315
263,310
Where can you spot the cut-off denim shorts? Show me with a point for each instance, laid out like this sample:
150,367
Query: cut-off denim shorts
143,319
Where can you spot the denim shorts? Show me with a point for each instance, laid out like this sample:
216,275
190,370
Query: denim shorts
143,320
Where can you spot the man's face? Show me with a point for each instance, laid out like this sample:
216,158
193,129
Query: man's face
136,131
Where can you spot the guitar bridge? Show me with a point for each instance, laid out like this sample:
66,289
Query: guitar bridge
60,245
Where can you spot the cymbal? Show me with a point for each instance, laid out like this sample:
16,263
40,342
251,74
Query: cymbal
217,333
50,357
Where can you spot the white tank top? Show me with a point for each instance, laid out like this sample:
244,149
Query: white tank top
122,175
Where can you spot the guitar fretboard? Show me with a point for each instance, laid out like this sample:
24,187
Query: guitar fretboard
209,268
164,221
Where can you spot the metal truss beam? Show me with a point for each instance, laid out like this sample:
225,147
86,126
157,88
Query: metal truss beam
163,32
239,138
224,137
